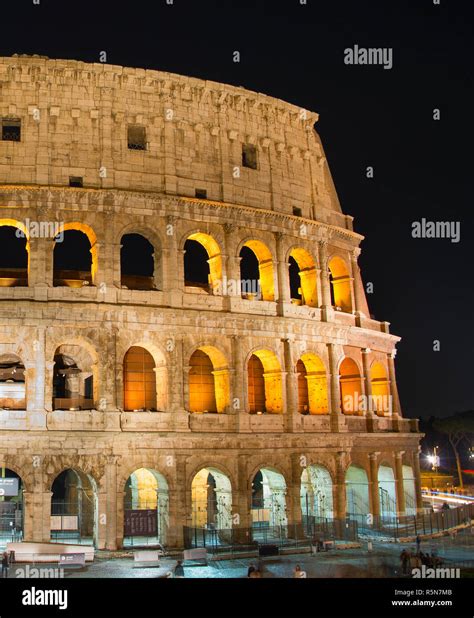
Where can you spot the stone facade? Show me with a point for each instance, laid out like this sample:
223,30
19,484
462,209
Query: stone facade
75,119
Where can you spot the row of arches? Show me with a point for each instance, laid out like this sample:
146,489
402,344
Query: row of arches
75,256
145,382
146,502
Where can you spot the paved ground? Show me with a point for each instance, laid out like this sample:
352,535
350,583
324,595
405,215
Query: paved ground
383,561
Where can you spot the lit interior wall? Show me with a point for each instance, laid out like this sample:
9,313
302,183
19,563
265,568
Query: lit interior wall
387,491
313,371
139,380
380,389
12,382
209,382
265,385
215,257
409,490
308,279
341,284
351,386
77,371
265,268
316,492
148,489
211,499
357,491
274,497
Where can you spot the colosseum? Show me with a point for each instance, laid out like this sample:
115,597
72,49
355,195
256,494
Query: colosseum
186,347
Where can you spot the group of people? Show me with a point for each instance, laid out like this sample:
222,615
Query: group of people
415,558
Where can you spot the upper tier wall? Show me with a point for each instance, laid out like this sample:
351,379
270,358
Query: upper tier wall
75,118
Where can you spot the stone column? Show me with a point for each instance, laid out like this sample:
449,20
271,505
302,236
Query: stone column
37,257
374,484
339,491
291,385
367,385
416,474
357,295
334,401
284,293
326,304
396,408
237,392
180,507
109,505
178,395
175,265
242,502
401,507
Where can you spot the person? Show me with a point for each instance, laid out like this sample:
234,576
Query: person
255,573
405,560
179,569
5,564
418,543
251,569
298,573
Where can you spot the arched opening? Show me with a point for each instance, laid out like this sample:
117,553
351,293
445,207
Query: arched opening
211,492
302,273
409,490
74,378
269,516
12,383
387,492
381,400
202,264
256,271
209,388
74,508
146,509
139,380
265,393
340,284
351,387
312,385
357,493
137,263
316,497
74,262
14,257
12,513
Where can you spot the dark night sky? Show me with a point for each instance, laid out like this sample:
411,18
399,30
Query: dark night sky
368,116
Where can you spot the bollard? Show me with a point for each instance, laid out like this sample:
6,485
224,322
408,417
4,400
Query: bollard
369,546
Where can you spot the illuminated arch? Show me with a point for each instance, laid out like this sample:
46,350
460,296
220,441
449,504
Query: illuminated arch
209,384
269,510
357,492
15,276
409,489
147,275
78,280
75,377
139,380
211,492
146,494
387,491
380,389
306,272
340,284
265,392
214,261
265,269
312,385
12,382
351,387
316,493
13,514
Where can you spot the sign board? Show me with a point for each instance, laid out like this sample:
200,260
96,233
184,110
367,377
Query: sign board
9,487
141,522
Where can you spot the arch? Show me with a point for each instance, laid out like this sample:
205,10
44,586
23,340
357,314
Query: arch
211,492
12,382
74,508
74,268
196,273
340,284
316,494
303,277
264,383
312,385
146,508
357,492
75,377
139,380
381,400
140,262
387,491
269,511
351,387
15,255
209,382
257,280
12,507
409,489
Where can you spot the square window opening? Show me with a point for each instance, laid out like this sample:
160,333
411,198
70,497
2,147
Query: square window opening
249,156
11,130
76,181
136,138
297,212
201,194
